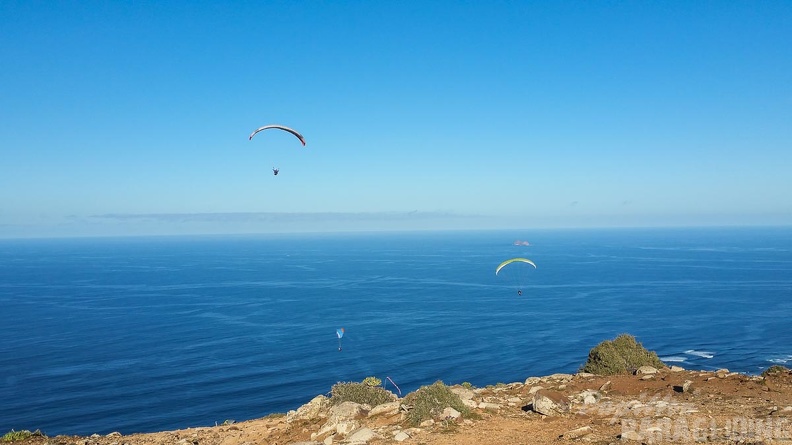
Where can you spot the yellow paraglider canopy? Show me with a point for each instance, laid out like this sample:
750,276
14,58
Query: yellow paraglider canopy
513,260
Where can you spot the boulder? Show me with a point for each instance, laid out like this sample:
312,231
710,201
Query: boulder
684,387
401,436
631,435
345,427
388,409
342,419
489,405
646,369
577,433
559,377
589,396
463,393
450,414
361,436
314,409
347,411
550,403
532,380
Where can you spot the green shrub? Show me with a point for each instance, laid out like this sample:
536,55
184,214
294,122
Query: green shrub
13,436
360,393
619,356
775,370
429,401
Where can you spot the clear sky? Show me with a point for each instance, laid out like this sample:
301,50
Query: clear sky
121,117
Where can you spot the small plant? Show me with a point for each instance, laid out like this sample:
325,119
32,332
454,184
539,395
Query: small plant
775,370
429,401
467,385
13,436
372,381
360,393
619,356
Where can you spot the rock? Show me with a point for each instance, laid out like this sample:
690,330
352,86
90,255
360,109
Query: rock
114,434
470,403
648,377
450,414
361,436
463,393
646,370
589,396
684,387
427,423
563,378
488,405
534,389
345,427
675,368
311,410
550,403
722,373
577,433
388,409
401,436
342,419
347,411
631,435
605,386
328,440
585,375
532,380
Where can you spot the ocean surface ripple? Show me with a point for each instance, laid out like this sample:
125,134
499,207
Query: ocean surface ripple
150,334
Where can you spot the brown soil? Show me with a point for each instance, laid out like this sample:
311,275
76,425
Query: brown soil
716,408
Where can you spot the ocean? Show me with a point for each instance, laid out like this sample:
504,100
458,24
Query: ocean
157,333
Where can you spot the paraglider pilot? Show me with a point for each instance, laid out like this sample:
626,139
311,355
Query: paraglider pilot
275,171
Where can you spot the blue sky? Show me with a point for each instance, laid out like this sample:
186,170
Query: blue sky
127,118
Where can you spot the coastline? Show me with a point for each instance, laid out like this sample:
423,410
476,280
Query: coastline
669,405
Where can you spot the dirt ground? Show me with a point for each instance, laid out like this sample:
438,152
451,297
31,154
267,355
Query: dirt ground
713,407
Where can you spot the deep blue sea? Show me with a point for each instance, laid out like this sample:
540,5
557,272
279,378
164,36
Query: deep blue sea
148,334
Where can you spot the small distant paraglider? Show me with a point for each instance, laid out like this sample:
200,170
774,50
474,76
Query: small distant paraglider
339,334
394,384
517,274
276,170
